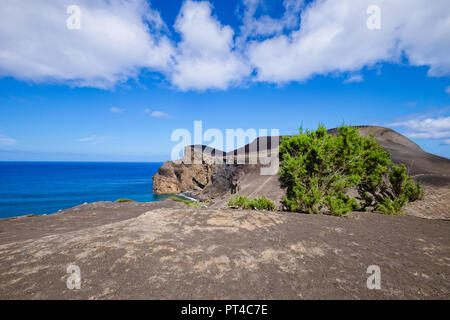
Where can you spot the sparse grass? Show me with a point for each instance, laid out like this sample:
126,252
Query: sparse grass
261,203
198,204
191,203
177,199
124,200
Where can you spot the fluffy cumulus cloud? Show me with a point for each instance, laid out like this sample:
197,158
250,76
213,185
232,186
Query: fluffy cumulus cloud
429,128
205,57
120,38
115,41
334,37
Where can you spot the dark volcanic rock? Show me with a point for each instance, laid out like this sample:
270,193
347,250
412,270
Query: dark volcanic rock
161,252
175,178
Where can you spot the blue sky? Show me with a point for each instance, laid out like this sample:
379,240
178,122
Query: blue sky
231,64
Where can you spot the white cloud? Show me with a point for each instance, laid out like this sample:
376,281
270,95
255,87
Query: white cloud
429,135
354,78
446,142
438,124
116,110
113,44
7,141
333,37
264,25
156,114
159,114
120,38
205,57
429,128
447,89
94,139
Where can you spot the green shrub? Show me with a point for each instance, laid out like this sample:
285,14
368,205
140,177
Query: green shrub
124,200
389,206
240,202
261,203
318,169
341,204
403,185
400,190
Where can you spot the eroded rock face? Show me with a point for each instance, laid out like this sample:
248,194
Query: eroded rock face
202,171
175,178
191,173
165,181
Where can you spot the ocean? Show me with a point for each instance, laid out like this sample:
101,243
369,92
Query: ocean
46,187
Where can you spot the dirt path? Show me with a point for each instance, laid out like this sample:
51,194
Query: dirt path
180,253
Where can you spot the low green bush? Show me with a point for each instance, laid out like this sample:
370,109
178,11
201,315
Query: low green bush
124,200
240,202
262,204
243,202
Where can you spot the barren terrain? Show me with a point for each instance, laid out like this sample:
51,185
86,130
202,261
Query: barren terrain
168,251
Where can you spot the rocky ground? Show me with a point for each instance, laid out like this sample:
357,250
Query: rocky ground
166,250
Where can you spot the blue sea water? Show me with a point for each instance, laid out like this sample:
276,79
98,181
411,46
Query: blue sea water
46,187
